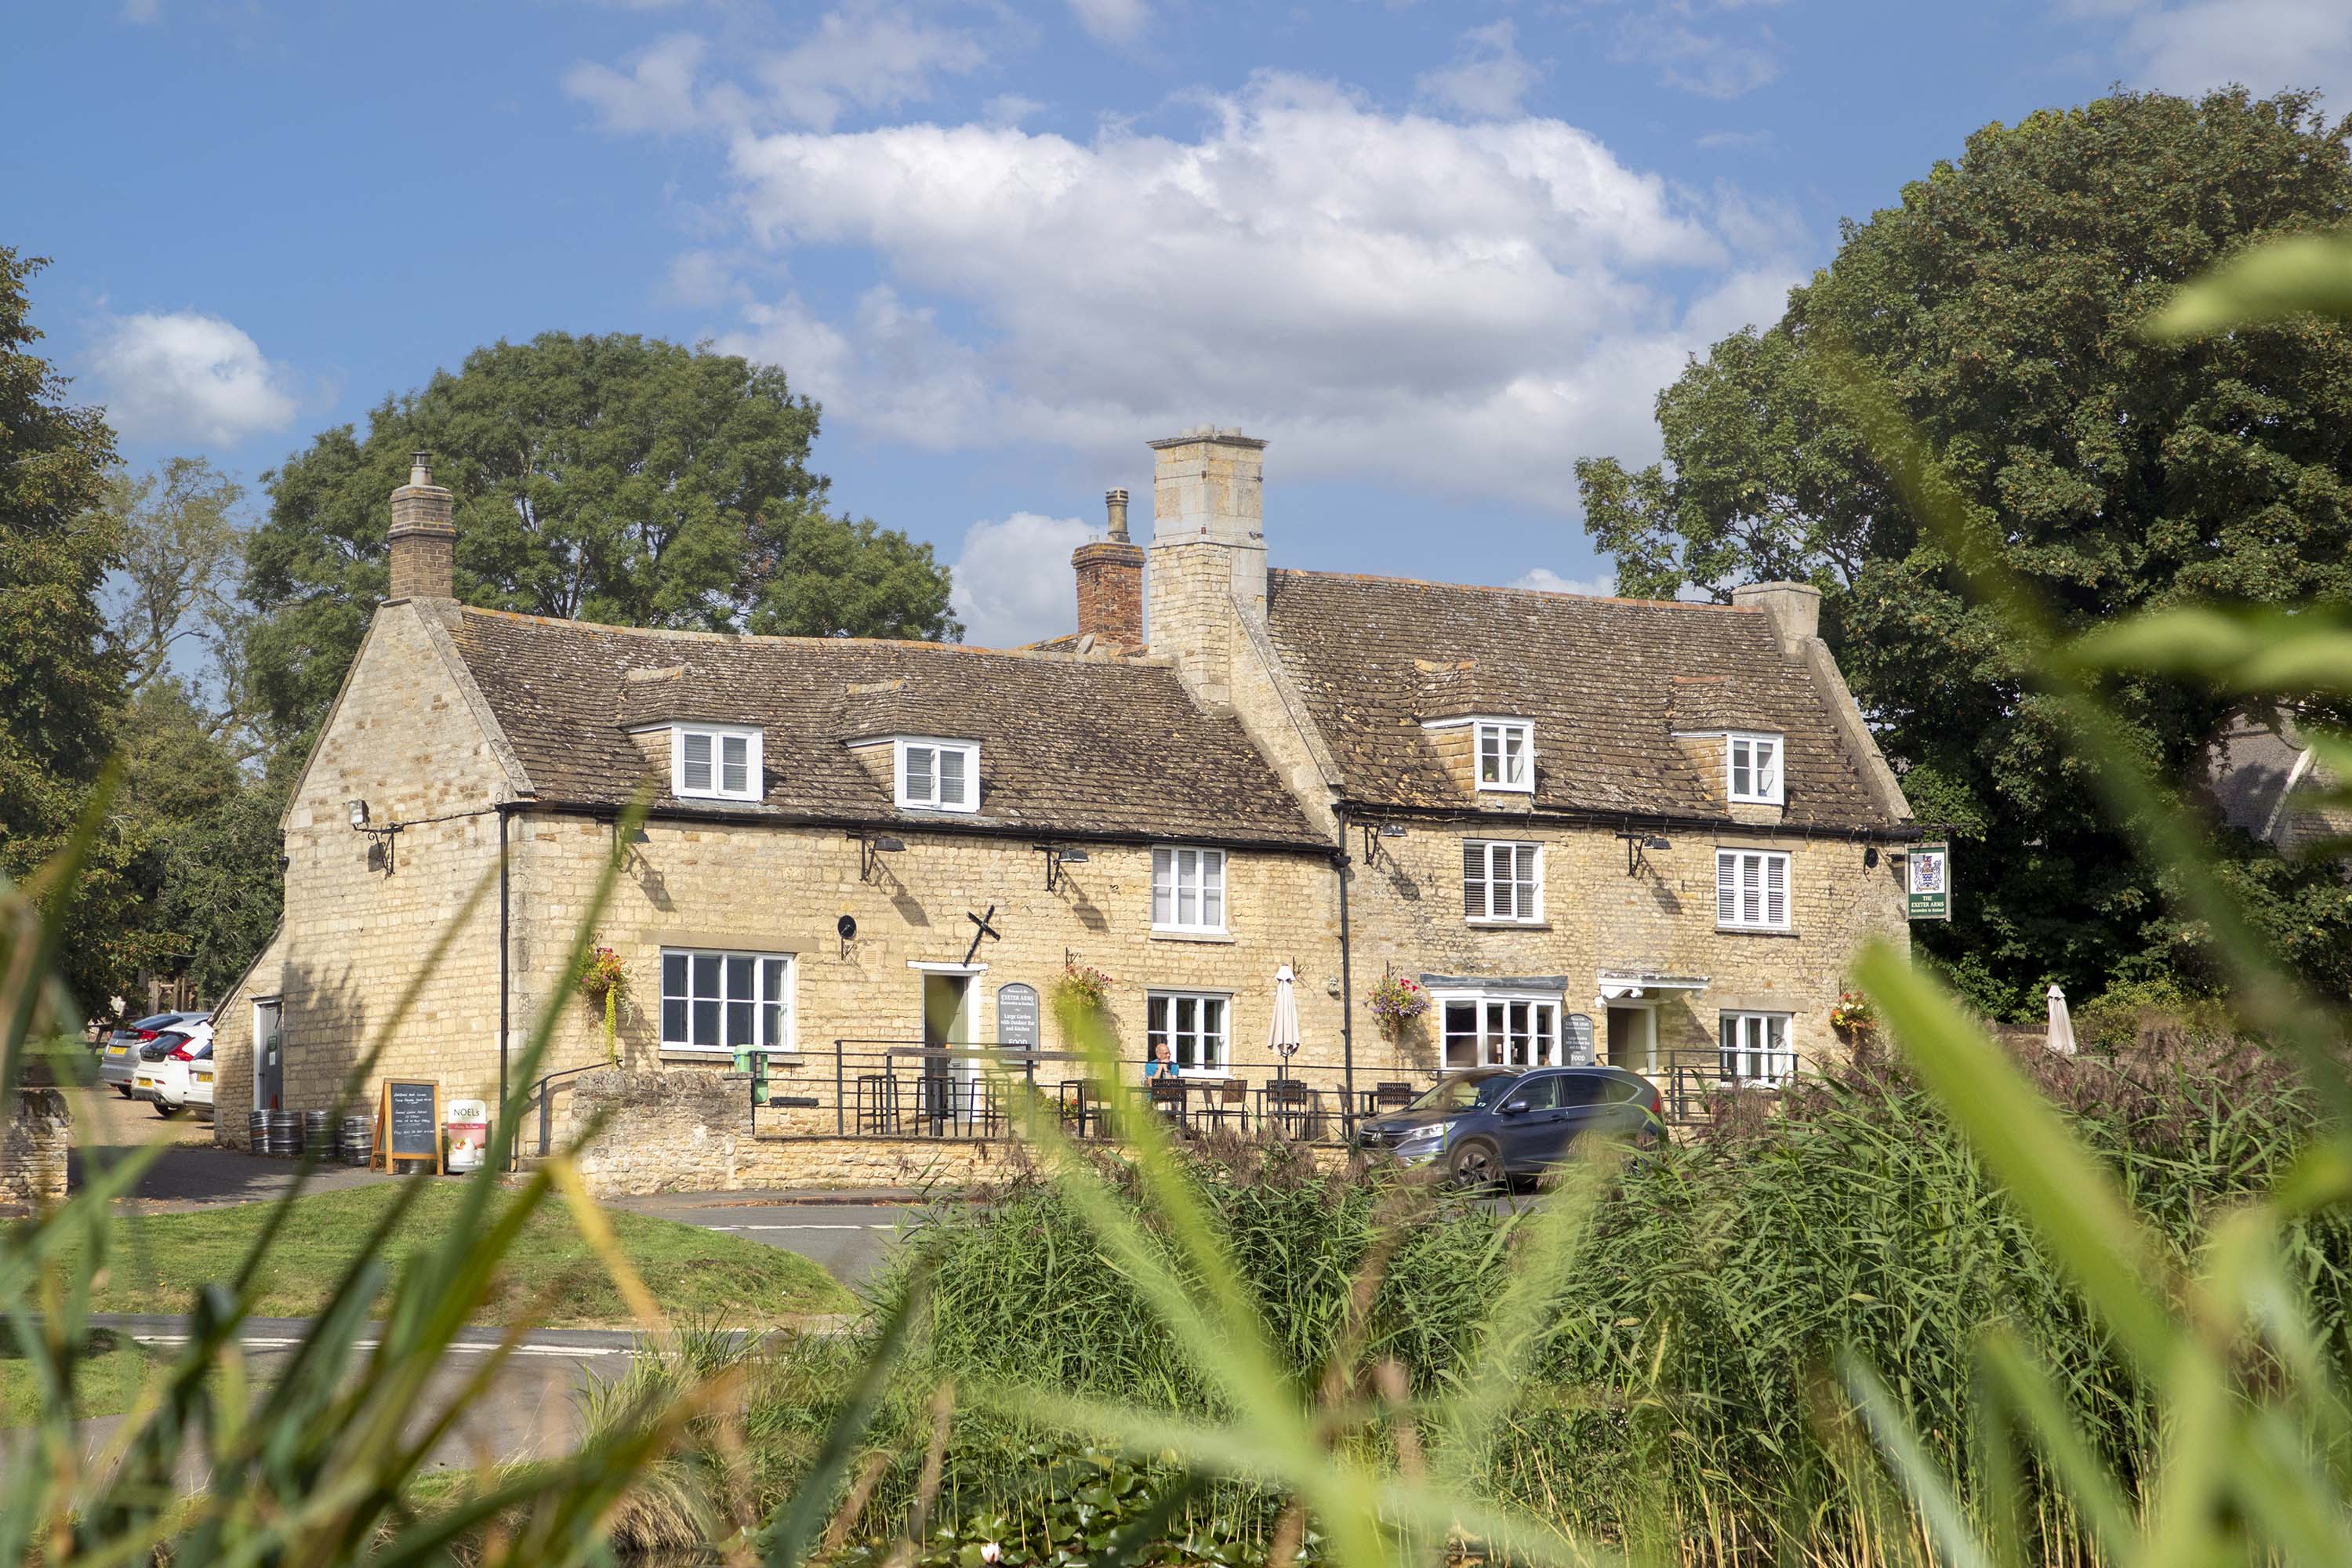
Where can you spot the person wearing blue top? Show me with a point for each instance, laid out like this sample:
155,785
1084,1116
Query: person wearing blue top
1162,1063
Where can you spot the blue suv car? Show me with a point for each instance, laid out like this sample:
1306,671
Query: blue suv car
1489,1126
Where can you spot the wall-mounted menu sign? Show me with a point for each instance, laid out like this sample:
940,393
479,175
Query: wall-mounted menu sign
1928,874
408,1125
1016,1015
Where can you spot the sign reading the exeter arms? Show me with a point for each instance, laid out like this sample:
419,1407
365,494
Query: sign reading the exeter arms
1930,884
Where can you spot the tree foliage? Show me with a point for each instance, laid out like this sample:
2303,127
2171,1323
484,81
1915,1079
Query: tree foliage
2002,301
614,478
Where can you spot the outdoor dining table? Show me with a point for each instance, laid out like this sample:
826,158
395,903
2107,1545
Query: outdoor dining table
1291,1107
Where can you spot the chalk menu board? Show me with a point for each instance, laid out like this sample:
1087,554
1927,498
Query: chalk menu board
1016,1015
410,1124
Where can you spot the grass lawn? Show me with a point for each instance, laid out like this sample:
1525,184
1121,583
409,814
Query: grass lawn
106,1380
157,1262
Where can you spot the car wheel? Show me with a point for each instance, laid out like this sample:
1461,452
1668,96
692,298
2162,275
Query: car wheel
167,1111
1477,1165
123,1089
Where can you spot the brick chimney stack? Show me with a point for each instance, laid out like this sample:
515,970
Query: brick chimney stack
1110,581
423,540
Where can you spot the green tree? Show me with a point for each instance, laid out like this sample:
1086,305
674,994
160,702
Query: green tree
62,674
614,478
2001,301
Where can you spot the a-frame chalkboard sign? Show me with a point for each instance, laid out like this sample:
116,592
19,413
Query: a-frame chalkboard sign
408,1126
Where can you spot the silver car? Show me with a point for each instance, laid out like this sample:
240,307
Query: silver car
119,1057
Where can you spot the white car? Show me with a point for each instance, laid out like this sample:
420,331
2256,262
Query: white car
182,1078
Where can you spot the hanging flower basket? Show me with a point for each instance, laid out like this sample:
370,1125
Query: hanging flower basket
605,981
1397,1001
1852,1015
1081,988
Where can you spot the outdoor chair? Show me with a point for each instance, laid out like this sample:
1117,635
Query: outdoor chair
1290,1108
1387,1095
877,1104
1086,1108
1168,1097
1225,1101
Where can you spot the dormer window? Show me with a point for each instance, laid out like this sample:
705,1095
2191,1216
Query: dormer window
714,762
938,775
1507,753
1754,761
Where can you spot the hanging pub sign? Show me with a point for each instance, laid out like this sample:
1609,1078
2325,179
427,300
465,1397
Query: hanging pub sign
1929,880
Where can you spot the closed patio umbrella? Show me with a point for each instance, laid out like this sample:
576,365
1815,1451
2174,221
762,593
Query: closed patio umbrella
2062,1023
1282,1034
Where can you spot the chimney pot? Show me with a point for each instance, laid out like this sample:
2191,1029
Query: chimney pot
1115,502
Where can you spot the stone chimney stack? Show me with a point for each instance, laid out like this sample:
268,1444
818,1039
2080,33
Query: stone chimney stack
1795,609
1208,551
423,540
1110,581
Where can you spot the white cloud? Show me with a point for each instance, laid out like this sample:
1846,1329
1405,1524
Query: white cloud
2266,44
1112,21
189,377
864,55
1550,581
1697,49
1398,297
1013,581
1008,108
1488,77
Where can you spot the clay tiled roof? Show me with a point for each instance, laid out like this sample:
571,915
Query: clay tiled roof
1606,682
1067,745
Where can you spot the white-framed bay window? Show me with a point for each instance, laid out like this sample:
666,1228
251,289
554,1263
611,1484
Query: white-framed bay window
938,775
1193,1025
1496,1029
1502,882
1188,890
714,762
1755,1048
1751,890
720,1002
1752,768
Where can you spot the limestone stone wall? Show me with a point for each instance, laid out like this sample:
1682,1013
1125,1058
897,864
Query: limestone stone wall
692,1132
363,914
33,1146
783,890
1407,914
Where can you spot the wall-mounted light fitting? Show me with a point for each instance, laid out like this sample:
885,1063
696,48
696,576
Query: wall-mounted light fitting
1055,859
358,812
871,847
1637,848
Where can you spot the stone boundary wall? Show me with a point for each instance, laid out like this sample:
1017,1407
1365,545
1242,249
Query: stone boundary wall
692,1132
33,1145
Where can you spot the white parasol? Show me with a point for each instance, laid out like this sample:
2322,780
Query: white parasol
2062,1023
1282,1035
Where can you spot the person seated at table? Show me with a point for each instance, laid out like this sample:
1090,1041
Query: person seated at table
1162,1063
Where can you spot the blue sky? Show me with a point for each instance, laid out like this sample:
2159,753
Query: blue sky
1434,252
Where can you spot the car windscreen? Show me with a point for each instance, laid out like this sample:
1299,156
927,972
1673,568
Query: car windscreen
1464,1093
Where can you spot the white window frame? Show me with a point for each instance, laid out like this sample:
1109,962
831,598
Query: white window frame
718,736
1739,748
1751,890
1170,889
1166,1005
770,1016
1753,1049
1502,1020
908,801
1514,744
1484,849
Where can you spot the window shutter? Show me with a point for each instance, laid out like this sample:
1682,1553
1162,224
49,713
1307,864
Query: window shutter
735,765
1474,880
697,767
1776,890
920,787
1726,894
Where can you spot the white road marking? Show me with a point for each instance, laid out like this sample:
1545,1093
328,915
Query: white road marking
470,1347
893,1225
